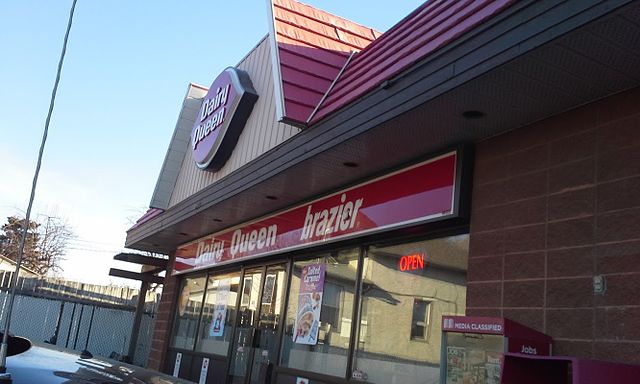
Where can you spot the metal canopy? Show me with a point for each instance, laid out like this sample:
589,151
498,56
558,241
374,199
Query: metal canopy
148,275
535,60
142,259
144,277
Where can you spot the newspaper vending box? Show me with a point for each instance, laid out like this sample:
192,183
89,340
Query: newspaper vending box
473,347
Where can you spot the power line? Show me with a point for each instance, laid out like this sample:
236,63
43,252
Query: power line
77,241
96,250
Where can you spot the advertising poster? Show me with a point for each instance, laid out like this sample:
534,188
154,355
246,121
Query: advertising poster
183,302
475,366
469,365
220,308
455,365
493,365
309,304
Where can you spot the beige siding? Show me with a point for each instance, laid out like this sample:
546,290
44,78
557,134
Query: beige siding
178,147
261,133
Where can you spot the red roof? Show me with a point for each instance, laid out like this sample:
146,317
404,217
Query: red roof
313,47
428,28
150,214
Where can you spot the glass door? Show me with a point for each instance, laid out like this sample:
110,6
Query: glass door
242,351
255,343
268,328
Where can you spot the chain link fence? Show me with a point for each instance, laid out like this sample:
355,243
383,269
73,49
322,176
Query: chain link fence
79,316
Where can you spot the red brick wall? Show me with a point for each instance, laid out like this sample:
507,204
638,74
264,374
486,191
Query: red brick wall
554,204
164,321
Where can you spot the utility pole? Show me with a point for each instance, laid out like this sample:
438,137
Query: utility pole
4,376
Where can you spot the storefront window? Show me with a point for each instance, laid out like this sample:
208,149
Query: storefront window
189,306
319,313
406,290
218,314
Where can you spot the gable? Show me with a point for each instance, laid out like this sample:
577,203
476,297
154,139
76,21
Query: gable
310,48
180,177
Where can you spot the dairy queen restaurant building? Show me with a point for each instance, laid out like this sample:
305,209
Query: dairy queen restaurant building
325,201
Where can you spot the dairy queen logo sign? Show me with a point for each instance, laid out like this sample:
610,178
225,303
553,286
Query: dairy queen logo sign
223,114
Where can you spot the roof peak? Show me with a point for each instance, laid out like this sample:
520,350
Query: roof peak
309,49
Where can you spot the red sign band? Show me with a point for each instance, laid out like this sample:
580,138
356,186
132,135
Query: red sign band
417,194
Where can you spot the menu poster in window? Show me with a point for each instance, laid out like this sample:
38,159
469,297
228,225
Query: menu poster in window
309,304
220,308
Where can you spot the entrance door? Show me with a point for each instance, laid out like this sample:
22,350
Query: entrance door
255,347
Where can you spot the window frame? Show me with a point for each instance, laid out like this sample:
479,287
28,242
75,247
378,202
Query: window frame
181,283
322,255
389,242
209,276
426,322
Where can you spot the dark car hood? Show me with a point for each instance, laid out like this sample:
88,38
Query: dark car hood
44,364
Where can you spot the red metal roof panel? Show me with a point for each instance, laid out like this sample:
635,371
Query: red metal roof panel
312,48
305,11
332,58
297,27
306,64
429,28
150,214
308,80
297,111
434,23
301,95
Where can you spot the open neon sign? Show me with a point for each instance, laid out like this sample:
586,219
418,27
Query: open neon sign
412,262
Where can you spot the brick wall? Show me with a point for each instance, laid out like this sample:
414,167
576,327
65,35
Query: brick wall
554,204
164,321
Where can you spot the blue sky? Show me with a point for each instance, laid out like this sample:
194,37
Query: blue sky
127,68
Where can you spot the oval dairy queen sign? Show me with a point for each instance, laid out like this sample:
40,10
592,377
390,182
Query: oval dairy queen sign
223,114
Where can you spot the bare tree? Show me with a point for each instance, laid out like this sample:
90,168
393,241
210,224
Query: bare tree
45,246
